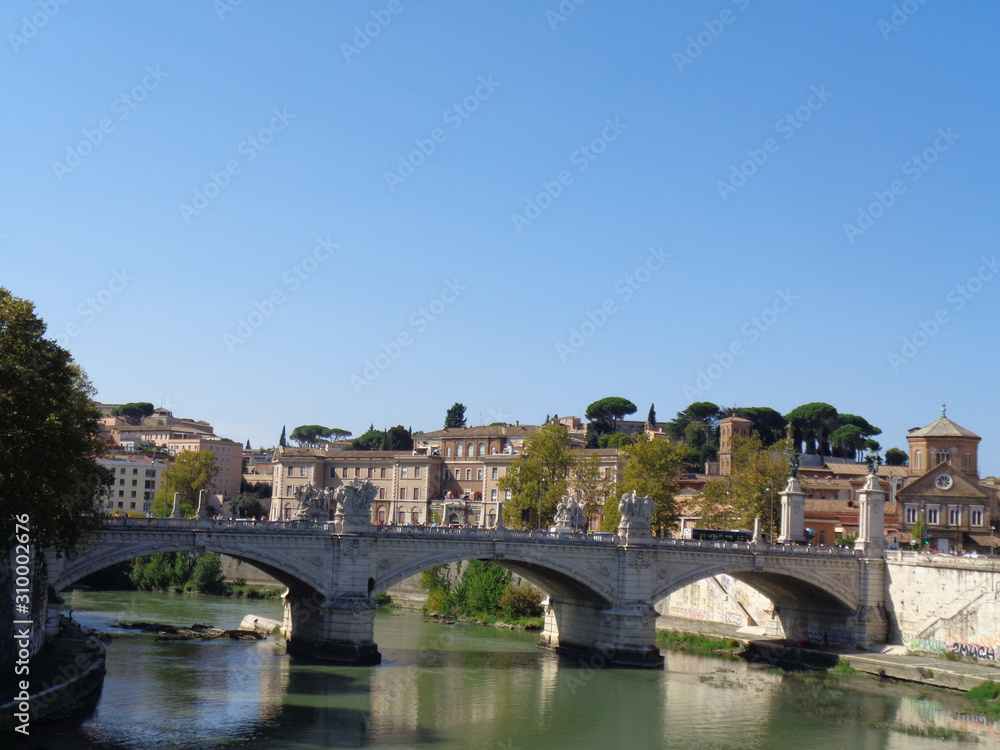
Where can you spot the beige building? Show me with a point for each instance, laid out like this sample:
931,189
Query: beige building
135,482
228,460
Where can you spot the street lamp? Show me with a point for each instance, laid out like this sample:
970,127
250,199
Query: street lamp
770,495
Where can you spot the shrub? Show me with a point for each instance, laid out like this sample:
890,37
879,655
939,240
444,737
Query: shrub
521,601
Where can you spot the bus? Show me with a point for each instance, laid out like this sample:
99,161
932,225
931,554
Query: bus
717,535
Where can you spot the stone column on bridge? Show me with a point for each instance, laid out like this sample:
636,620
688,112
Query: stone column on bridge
202,505
871,530
793,512
177,506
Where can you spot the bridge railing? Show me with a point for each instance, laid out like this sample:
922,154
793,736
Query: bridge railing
232,524
480,533
750,547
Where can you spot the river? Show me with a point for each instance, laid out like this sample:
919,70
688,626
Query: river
453,686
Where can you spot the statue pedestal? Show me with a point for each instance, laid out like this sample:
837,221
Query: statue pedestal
871,527
793,513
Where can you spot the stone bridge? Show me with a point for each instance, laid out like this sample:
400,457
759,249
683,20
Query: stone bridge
601,589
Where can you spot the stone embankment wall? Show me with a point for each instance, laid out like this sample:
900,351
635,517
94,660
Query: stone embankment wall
234,570
720,599
942,604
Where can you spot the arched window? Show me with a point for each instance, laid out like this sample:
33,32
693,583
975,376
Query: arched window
472,450
944,457
459,449
918,460
482,449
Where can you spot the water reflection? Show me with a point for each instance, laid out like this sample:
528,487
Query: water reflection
451,686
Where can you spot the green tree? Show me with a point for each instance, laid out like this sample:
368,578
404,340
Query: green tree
651,417
896,457
207,575
751,490
337,434
369,441
311,435
698,428
591,484
812,425
651,469
247,505
455,416
397,438
537,478
282,441
609,411
191,472
765,421
133,412
614,440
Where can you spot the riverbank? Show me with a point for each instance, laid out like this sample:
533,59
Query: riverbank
65,680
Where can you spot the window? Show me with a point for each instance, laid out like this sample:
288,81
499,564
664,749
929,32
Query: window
506,494
447,451
468,474
371,472
416,493
968,462
402,473
918,460
471,451
482,449
402,493
933,514
121,493
132,495
343,472
402,516
381,473
459,450
494,473
288,490
135,482
493,495
381,493
479,474
357,472
447,474
134,472
416,472
414,516
911,514
121,482
954,516
333,472
302,471
976,517
944,457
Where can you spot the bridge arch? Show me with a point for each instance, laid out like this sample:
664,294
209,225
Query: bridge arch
552,577
283,567
799,587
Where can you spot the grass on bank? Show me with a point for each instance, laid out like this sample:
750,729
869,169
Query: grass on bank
698,644
483,595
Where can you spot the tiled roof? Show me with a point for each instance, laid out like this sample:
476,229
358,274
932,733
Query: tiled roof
485,431
943,427
861,469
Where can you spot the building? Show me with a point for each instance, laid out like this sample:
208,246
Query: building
136,480
228,460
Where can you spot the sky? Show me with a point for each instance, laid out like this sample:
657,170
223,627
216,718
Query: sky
264,214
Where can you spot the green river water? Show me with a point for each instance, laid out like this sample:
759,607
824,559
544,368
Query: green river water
442,686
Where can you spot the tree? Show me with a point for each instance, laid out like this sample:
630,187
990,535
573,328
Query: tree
247,447
759,472
698,428
337,434
537,478
765,421
207,575
247,505
282,441
651,417
397,438
191,472
896,457
608,411
133,412
49,427
593,488
369,441
614,440
313,435
651,469
813,424
455,416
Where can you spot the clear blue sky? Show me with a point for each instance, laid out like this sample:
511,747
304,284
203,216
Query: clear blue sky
280,191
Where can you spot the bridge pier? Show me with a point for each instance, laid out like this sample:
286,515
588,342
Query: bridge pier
621,636
337,629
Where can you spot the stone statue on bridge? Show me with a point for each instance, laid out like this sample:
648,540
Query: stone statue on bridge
874,460
637,514
314,503
354,503
570,513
